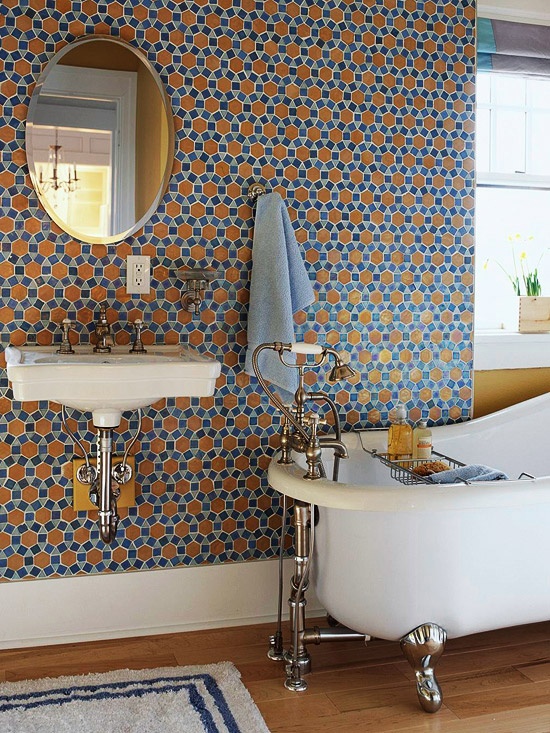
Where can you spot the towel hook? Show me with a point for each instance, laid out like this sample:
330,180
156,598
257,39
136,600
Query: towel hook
255,191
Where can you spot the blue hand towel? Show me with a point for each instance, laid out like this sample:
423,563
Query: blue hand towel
473,472
279,287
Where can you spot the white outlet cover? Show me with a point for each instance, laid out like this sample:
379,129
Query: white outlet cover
138,274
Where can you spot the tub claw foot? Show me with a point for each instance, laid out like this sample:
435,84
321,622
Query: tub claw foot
422,648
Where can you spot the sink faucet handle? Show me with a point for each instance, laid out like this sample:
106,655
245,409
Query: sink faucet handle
66,325
137,346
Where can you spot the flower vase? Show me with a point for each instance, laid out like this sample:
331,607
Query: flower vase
534,314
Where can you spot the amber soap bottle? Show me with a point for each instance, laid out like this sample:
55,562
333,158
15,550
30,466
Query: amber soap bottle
400,435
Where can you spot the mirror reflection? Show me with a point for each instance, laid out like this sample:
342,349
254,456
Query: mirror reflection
99,139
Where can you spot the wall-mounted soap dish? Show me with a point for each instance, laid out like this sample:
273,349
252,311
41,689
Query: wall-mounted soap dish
197,280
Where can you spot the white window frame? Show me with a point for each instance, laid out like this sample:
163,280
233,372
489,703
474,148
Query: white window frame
499,349
521,11
502,349
519,179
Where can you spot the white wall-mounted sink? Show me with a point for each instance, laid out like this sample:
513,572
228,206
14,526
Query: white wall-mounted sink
108,384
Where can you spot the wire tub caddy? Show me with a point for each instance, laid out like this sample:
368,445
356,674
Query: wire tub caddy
403,471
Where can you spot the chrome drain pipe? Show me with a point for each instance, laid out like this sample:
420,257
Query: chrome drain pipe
104,479
299,660
315,635
107,496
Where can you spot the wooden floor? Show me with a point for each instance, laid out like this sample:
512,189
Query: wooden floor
497,682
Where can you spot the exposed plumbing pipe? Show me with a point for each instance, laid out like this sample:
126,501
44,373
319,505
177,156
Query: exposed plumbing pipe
108,517
302,561
315,635
87,473
306,442
122,472
101,479
276,642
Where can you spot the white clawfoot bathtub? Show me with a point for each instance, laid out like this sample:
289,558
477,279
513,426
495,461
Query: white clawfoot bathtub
469,558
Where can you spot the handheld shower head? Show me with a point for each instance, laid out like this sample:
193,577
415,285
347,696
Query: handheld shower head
339,372
341,369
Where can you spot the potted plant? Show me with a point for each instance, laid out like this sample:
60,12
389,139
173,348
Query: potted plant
534,308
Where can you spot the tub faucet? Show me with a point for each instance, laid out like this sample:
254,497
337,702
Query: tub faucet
299,429
104,338
326,440
340,449
314,448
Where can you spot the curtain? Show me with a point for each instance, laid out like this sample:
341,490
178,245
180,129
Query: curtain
514,48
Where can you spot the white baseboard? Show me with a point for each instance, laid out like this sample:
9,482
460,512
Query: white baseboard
110,606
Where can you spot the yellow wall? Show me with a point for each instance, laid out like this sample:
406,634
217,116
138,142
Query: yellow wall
102,55
500,388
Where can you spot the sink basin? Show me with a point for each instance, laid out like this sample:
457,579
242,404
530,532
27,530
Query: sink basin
108,384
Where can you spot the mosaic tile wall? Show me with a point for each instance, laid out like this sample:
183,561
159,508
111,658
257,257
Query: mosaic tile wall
360,115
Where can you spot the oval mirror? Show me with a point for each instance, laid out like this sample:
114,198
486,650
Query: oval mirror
99,139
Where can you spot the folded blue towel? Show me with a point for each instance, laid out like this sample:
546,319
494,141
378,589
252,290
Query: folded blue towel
473,472
279,287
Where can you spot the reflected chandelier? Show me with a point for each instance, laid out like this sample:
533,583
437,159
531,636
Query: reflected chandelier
54,182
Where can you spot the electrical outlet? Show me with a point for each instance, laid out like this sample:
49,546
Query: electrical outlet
138,274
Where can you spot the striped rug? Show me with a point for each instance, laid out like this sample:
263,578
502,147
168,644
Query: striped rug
209,699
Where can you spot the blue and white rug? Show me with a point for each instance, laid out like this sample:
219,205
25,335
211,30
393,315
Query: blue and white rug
207,699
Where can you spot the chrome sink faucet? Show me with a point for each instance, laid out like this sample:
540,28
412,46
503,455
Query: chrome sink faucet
104,338
66,327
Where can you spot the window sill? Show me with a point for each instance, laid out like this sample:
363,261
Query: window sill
511,350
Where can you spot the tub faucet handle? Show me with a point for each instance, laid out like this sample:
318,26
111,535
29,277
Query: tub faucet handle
285,441
313,449
290,407
313,420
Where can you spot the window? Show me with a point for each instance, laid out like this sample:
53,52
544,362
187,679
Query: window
513,194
